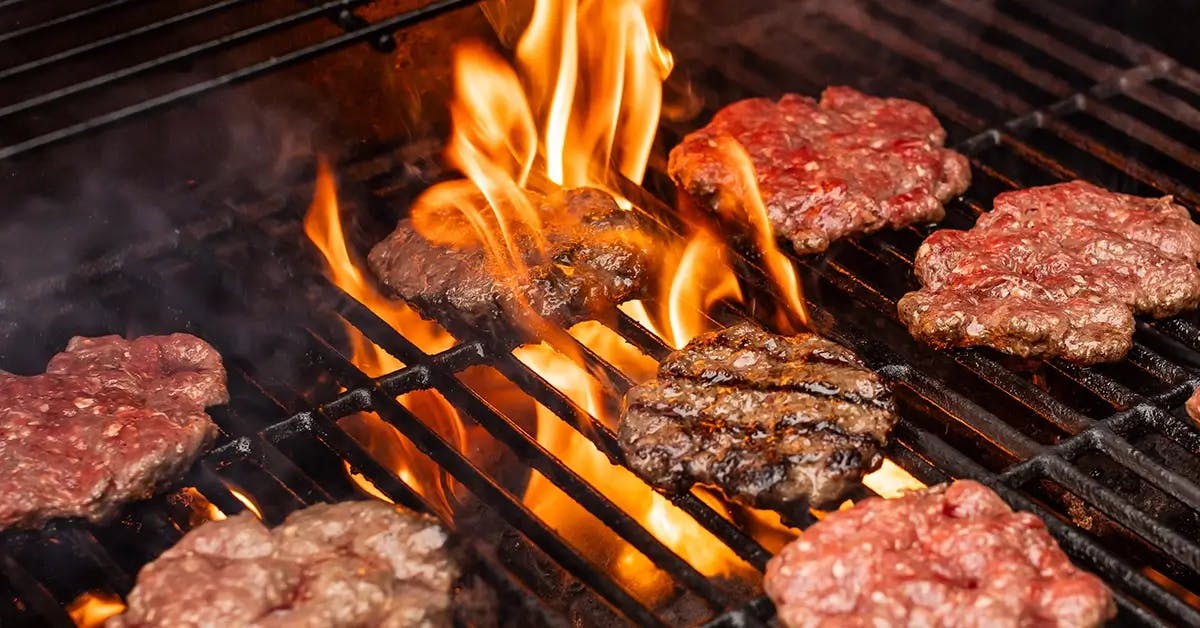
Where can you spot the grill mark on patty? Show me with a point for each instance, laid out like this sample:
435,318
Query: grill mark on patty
744,410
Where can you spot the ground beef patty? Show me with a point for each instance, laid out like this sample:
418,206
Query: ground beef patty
111,420
950,555
596,256
1058,270
349,564
779,422
846,165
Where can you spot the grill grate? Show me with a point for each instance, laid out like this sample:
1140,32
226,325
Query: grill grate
1031,93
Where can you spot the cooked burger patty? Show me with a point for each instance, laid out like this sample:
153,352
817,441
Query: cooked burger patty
950,555
1058,270
779,422
596,255
849,164
349,564
111,421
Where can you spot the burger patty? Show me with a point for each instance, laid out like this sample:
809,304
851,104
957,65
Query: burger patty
596,255
349,564
111,421
950,555
848,164
1058,270
779,422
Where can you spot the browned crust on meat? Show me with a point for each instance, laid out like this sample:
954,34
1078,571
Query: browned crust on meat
779,422
596,255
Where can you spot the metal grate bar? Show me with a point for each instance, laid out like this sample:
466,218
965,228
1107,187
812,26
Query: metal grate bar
105,42
34,594
64,19
600,435
220,43
243,74
486,489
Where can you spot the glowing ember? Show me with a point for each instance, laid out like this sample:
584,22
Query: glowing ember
92,609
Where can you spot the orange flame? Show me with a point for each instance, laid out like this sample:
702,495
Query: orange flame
93,608
672,527
246,500
200,506
384,442
891,480
747,196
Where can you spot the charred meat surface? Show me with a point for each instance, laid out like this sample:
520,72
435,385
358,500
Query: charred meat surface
776,421
110,421
950,555
848,164
1058,270
330,565
593,255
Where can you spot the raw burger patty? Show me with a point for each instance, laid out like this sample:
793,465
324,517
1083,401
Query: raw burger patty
1058,270
111,421
849,164
950,555
343,565
597,256
779,422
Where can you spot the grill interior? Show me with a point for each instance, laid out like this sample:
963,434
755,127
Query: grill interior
1032,93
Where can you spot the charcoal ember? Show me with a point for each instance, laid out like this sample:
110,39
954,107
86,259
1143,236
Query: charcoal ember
949,555
332,565
776,421
848,164
110,421
1057,270
593,256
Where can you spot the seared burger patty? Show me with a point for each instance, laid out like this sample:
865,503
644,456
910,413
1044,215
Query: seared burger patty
344,565
950,555
111,421
596,255
1058,270
848,164
779,422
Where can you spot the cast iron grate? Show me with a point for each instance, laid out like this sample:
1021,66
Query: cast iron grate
1033,94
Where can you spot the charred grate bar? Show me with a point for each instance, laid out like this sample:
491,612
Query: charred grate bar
1035,447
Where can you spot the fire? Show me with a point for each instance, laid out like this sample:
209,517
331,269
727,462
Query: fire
200,506
385,443
672,527
247,501
323,226
701,277
747,196
891,480
93,608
